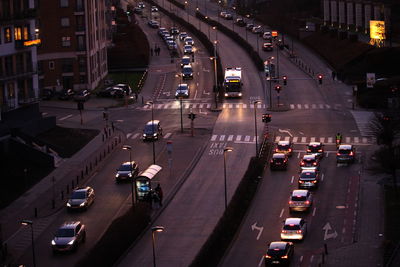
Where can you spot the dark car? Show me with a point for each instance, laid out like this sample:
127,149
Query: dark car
308,179
127,89
152,130
82,95
174,31
279,252
68,237
279,161
66,94
187,72
240,22
345,153
316,148
47,94
81,198
127,171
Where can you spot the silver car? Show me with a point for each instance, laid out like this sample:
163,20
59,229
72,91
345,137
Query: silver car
300,200
68,236
127,170
81,198
294,228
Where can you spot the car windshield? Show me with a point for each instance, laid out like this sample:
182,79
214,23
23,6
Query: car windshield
150,128
291,227
344,151
283,147
187,70
65,232
182,88
314,148
185,61
308,175
276,252
299,198
124,167
278,159
78,195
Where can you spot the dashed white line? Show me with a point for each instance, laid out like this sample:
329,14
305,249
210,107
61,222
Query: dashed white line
128,135
214,137
261,261
135,135
66,117
313,212
167,135
322,177
230,138
238,137
292,179
280,216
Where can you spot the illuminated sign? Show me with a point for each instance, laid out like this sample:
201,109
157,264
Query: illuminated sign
274,33
32,42
377,29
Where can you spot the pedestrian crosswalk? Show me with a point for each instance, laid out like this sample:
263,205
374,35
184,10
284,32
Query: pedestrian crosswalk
176,105
363,119
295,139
134,136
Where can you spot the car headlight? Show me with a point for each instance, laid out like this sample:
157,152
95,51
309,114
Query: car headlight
117,175
226,94
71,242
53,242
240,94
130,174
144,135
82,204
154,134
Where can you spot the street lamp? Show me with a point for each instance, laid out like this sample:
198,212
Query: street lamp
129,148
255,123
215,74
226,149
153,231
216,33
30,223
197,10
152,125
247,16
187,10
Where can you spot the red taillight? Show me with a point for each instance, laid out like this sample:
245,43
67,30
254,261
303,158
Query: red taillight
284,257
302,163
299,231
290,202
351,153
300,181
338,154
284,231
315,181
267,256
276,150
314,163
320,150
308,150
290,150
307,202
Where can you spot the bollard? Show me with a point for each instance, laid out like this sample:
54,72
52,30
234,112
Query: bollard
323,258
67,188
53,203
36,212
62,195
326,248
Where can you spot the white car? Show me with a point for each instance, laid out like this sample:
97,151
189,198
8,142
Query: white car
154,9
189,41
267,36
182,36
300,200
182,90
187,49
294,228
257,30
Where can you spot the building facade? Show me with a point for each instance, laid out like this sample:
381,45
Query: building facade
18,57
73,53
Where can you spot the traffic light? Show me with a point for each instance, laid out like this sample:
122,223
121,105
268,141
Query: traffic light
320,78
266,117
284,80
278,88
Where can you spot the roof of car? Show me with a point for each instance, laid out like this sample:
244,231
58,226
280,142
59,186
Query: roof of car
300,192
309,157
278,155
345,146
284,143
70,224
153,122
277,245
292,221
81,189
128,163
308,170
187,66
182,85
315,144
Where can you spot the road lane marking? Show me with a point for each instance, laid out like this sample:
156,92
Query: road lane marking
222,137
238,137
247,138
261,261
230,138
280,216
214,137
128,135
322,177
135,136
66,117
292,179
314,210
167,135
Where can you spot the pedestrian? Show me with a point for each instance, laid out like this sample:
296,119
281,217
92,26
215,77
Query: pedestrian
151,51
112,126
333,75
159,192
158,51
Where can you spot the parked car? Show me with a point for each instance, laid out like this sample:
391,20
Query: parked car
127,171
66,94
127,89
112,91
81,198
69,236
279,252
182,90
82,95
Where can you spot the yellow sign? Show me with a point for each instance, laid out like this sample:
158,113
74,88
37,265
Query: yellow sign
32,42
377,29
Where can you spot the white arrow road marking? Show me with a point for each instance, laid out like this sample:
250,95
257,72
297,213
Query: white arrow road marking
205,93
259,229
280,215
327,228
285,131
66,117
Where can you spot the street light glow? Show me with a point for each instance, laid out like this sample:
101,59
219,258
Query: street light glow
228,149
26,222
126,147
157,229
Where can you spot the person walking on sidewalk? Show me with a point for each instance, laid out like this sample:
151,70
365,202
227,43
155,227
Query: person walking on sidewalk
151,51
159,193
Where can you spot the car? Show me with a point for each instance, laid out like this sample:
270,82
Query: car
174,31
81,198
249,26
240,22
141,5
300,200
182,36
279,161
152,130
285,147
154,9
316,148
161,31
345,154
138,10
167,36
153,24
126,87
267,46
172,45
309,161
68,236
66,94
228,16
185,61
82,96
113,91
308,179
189,41
222,14
127,171
257,30
267,36
294,229
187,49
279,252
47,94
187,72
182,90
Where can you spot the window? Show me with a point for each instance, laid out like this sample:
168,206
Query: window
81,42
64,3
82,64
20,63
7,35
51,65
80,23
82,78
17,33
79,5
66,41
65,22
26,32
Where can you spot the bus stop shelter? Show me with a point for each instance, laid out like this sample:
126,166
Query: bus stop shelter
143,181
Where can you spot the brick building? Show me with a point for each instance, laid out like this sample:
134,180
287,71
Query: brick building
73,53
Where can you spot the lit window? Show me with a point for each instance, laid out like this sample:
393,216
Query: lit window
17,33
7,35
66,41
26,32
64,22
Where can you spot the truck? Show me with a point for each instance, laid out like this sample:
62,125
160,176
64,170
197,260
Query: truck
233,82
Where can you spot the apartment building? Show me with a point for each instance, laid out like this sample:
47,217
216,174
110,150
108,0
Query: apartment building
18,57
73,53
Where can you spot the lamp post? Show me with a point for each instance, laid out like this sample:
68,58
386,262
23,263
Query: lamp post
180,102
216,33
208,27
187,10
197,9
226,149
233,21
152,124
215,75
218,10
245,30
154,230
30,223
129,148
255,123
